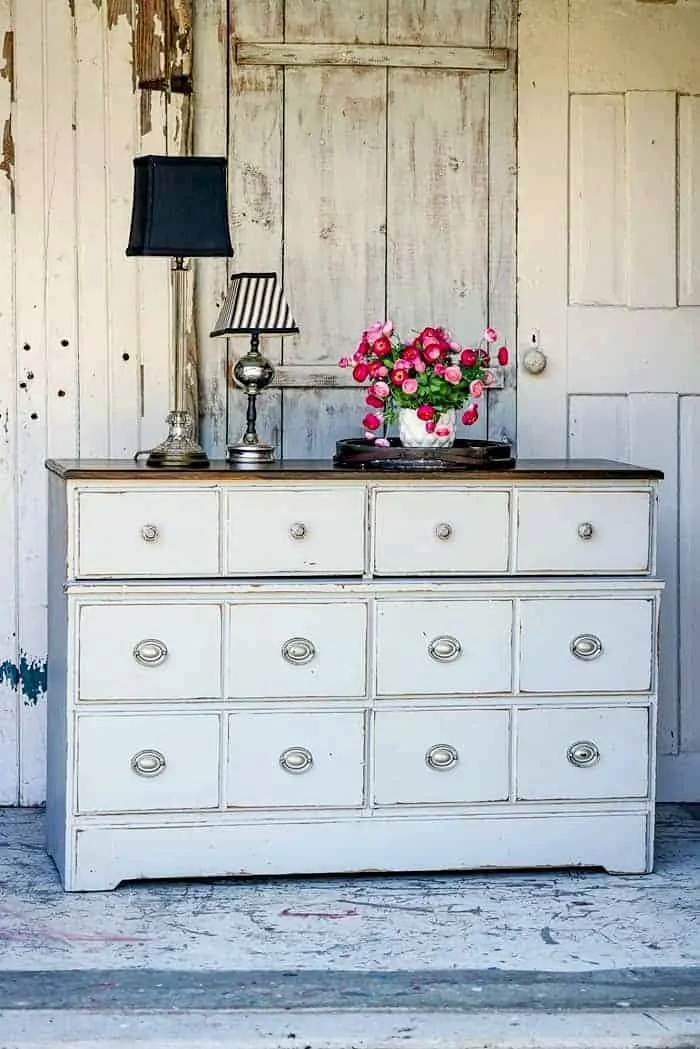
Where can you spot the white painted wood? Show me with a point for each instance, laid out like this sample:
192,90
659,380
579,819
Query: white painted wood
260,744
598,428
405,741
108,746
439,22
466,59
689,201
689,574
545,736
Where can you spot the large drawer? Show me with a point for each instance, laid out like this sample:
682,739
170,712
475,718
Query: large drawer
584,531
150,533
586,645
440,756
291,760
149,651
437,531
282,531
579,753
139,762
444,647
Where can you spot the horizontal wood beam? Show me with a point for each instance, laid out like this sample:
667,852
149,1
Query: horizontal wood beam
310,377
465,59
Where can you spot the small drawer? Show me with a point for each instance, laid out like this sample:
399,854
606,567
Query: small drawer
294,760
434,531
583,531
438,756
141,762
148,533
586,645
443,647
140,651
289,649
597,752
275,531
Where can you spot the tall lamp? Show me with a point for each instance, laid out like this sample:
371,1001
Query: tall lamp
255,305
179,210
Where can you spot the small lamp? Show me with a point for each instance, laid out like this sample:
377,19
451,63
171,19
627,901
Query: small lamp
180,210
254,305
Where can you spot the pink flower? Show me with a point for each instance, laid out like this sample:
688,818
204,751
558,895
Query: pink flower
380,389
432,352
377,370
429,426
399,376
453,374
374,402
383,442
455,346
490,334
361,352
419,365
409,385
371,421
360,372
439,370
476,388
369,436
410,353
488,378
426,412
344,362
442,431
469,358
373,332
503,356
471,415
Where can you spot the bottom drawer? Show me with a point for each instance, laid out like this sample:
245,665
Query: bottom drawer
142,762
591,752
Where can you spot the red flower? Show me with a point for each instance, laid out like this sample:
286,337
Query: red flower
471,415
376,370
382,346
503,356
469,358
426,412
399,376
371,421
374,402
432,352
360,372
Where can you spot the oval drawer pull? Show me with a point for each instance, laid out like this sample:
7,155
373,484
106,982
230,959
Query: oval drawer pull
583,754
444,649
150,533
441,757
298,650
586,646
150,652
296,760
585,530
148,762
443,530
297,530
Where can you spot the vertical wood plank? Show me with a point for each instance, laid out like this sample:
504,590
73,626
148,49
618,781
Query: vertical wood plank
689,200
689,572
597,223
439,22
651,198
316,419
327,21
598,427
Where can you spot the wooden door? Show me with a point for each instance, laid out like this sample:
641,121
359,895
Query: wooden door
609,285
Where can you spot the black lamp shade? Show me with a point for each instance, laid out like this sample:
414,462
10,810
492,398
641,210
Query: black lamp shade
180,207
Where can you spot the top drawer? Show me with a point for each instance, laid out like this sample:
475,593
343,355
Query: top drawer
142,532
583,531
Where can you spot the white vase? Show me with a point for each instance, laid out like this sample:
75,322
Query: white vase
413,434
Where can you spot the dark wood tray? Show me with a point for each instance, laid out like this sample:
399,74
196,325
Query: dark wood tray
463,455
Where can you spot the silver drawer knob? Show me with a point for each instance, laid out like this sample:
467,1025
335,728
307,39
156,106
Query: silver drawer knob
297,530
441,757
583,754
443,530
150,533
148,763
296,760
298,650
150,652
444,649
585,530
586,646
534,362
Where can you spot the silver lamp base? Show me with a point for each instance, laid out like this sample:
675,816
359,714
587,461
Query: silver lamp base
249,452
179,450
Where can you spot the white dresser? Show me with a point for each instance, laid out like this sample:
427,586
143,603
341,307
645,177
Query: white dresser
308,669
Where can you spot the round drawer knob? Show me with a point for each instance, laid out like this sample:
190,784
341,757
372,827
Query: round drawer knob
148,762
583,754
296,760
297,530
586,646
444,649
585,530
443,530
534,362
150,652
150,533
298,650
441,757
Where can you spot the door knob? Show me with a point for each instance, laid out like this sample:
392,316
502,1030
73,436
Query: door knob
534,362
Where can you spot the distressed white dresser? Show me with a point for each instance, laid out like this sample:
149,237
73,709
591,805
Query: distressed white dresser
311,669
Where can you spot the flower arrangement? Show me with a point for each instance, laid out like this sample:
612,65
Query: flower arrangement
432,374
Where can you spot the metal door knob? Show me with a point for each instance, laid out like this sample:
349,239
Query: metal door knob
534,362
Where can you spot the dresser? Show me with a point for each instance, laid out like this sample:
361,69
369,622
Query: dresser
305,669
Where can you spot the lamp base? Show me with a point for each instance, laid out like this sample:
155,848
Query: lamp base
250,452
179,450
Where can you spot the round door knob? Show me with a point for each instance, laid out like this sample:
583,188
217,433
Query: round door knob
441,757
444,649
585,530
150,533
534,362
443,530
296,760
583,754
297,530
150,652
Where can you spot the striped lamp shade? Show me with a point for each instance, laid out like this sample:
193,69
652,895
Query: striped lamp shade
255,302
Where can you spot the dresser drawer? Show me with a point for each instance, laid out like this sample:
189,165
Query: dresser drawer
291,760
440,756
317,531
586,645
443,647
139,762
439,531
294,649
149,651
595,752
148,533
586,531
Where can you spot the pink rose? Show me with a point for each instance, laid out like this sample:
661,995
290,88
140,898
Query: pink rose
439,370
453,374
344,362
371,421
383,442
490,334
476,388
469,358
360,372
380,389
419,365
503,356
471,415
373,402
409,386
426,412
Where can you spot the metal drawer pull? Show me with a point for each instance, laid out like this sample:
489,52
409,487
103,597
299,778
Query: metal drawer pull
443,530
586,646
296,760
150,533
297,530
148,763
150,652
298,650
583,754
585,530
444,649
441,757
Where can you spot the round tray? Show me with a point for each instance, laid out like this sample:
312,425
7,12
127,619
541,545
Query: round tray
463,455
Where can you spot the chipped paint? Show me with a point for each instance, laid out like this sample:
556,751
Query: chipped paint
7,160
7,72
116,9
27,678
